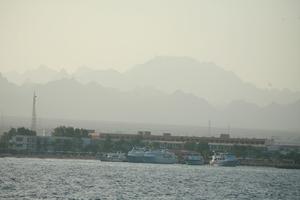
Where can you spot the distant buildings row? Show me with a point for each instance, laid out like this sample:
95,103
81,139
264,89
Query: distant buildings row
222,143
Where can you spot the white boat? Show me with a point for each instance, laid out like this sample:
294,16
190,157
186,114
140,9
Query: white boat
161,156
113,157
136,155
224,159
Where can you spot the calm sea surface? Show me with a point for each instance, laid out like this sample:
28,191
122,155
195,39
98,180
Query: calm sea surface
26,178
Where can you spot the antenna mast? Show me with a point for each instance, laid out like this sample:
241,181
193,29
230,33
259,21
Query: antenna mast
209,127
33,119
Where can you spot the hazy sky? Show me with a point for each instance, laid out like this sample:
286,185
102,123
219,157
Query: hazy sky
257,39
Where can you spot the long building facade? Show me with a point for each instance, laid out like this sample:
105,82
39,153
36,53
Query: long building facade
222,143
177,142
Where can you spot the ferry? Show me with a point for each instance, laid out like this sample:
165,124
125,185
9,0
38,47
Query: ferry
224,159
160,156
136,155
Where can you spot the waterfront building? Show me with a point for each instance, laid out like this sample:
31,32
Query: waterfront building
224,143
284,148
177,142
228,147
46,143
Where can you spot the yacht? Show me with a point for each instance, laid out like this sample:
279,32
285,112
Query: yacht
136,155
194,159
160,156
224,159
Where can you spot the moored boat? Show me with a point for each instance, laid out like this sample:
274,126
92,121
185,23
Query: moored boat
136,155
224,159
160,156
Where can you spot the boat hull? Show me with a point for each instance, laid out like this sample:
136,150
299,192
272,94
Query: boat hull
194,162
230,163
158,160
135,159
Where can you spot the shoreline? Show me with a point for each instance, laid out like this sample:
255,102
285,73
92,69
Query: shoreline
253,163
48,156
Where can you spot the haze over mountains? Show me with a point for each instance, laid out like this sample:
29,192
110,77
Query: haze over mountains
168,74
165,90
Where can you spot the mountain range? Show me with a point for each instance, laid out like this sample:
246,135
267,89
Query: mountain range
69,98
169,74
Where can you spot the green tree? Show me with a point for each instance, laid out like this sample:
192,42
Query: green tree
107,144
137,141
203,149
155,145
191,146
122,146
7,136
63,131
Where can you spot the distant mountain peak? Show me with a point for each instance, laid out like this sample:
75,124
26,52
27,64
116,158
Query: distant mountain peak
63,71
173,61
41,68
83,69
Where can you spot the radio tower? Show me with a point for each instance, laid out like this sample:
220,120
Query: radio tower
33,119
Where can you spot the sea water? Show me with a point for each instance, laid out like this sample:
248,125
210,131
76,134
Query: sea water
29,178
